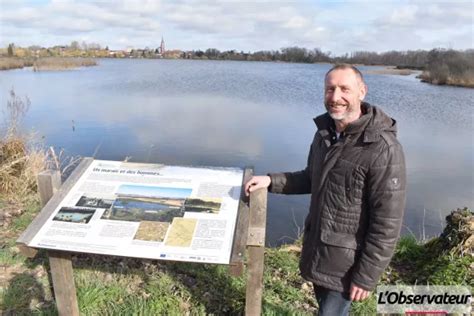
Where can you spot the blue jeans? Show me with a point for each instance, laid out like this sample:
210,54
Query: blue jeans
332,303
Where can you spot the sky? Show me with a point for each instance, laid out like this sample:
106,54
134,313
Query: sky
333,26
143,190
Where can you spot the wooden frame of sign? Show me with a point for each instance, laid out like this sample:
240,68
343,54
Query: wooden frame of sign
249,235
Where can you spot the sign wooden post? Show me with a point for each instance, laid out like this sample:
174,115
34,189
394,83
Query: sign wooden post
256,251
52,193
60,262
49,182
236,265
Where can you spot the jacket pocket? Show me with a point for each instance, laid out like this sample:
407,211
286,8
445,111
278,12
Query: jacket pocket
354,184
339,239
337,253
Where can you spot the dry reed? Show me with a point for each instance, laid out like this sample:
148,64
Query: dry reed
50,64
20,159
18,168
46,63
464,80
11,63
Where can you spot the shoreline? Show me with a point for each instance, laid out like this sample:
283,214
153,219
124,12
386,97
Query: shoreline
392,70
71,63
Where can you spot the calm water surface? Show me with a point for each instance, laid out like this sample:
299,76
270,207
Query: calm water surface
225,113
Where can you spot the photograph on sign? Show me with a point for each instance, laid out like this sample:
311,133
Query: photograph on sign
74,215
90,201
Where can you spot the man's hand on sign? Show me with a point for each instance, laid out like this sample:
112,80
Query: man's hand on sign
257,182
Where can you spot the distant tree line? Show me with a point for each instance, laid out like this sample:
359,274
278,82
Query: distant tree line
417,59
403,59
287,54
441,66
75,49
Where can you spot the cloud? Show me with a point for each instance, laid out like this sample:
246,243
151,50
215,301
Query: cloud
422,16
247,25
250,26
71,17
403,25
419,25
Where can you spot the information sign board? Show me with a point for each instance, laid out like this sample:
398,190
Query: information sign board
147,211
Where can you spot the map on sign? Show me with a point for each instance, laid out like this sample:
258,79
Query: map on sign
147,211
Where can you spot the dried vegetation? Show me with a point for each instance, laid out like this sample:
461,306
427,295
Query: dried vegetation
46,63
15,63
20,159
449,67
52,63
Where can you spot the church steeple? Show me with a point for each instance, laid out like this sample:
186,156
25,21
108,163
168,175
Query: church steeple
162,46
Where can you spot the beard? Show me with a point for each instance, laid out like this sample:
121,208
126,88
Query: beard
349,112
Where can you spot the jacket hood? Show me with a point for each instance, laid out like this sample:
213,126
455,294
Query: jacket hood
372,123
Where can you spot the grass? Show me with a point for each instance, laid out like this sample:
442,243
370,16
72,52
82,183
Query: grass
284,286
9,258
445,260
145,287
31,207
366,307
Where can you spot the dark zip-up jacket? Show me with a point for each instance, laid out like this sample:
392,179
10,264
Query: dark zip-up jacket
357,185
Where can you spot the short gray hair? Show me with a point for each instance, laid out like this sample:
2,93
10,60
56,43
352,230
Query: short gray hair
346,66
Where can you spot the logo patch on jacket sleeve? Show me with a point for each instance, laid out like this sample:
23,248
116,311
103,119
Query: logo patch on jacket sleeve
394,183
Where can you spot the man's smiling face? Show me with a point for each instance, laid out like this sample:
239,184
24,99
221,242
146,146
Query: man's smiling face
344,91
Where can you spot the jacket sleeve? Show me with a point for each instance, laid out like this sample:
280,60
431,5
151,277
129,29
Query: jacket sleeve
298,182
386,204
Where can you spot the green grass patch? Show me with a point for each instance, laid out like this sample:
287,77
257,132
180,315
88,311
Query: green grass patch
284,289
211,287
31,208
23,293
155,288
10,258
408,249
444,260
365,307
450,270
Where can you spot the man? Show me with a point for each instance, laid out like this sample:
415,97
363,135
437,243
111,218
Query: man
356,176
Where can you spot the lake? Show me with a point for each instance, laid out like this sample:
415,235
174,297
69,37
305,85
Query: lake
228,113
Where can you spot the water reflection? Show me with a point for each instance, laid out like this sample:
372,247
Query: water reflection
246,113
